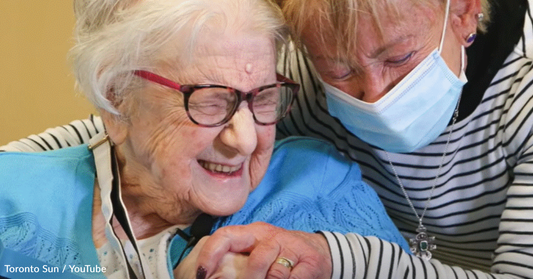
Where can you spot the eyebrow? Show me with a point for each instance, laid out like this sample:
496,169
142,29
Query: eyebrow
374,54
389,44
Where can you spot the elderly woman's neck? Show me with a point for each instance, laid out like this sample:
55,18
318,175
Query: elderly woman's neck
143,226
149,215
150,209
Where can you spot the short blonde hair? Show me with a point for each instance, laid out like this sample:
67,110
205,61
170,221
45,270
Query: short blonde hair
116,37
338,18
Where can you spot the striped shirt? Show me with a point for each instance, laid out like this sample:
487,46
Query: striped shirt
481,209
75,133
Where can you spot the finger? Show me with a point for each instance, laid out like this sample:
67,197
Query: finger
186,267
303,271
230,266
281,268
307,252
285,260
224,240
260,259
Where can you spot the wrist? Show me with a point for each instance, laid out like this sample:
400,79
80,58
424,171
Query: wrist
325,251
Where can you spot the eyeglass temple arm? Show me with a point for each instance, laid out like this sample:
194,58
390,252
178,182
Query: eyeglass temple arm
166,82
283,78
157,79
294,84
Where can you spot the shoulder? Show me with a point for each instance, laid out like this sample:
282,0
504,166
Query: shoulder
75,133
303,174
511,90
70,152
525,45
310,154
307,145
46,173
313,165
34,162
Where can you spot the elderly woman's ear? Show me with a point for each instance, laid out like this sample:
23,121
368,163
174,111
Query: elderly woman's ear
464,17
116,125
116,128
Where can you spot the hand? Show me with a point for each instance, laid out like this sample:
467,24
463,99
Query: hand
265,243
231,264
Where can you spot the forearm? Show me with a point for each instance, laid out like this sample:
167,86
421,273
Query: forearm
75,133
354,256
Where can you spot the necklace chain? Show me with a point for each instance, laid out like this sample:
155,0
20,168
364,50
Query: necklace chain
421,229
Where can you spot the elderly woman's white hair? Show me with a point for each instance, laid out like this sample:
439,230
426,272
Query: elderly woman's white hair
116,37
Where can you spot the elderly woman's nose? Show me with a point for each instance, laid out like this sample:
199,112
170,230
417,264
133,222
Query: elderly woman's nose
240,133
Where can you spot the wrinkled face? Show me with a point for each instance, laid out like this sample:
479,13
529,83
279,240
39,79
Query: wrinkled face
377,64
195,168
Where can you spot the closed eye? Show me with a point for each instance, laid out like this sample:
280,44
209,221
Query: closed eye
335,70
341,76
399,61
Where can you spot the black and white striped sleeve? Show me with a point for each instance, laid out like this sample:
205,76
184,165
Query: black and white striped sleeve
514,253
355,256
75,133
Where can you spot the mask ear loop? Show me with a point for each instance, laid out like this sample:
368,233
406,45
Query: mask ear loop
446,14
462,74
463,58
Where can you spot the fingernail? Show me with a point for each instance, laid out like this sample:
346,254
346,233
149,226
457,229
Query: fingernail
201,272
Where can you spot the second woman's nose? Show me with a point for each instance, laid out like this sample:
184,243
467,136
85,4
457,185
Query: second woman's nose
372,86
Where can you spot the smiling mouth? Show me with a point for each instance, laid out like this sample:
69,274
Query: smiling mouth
218,168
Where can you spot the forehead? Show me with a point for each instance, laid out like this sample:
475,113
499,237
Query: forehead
374,26
238,59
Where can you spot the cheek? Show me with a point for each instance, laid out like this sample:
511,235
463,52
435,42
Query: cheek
178,148
175,165
157,136
261,157
169,144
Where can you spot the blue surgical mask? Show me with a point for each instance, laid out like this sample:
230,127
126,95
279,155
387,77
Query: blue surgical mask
411,115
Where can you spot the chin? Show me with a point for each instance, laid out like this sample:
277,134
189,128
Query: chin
224,208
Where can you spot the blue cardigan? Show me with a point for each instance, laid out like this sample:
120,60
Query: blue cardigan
46,201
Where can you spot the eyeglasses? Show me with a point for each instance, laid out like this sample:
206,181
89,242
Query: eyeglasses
210,105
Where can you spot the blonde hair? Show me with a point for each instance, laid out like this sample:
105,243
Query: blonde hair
337,19
116,37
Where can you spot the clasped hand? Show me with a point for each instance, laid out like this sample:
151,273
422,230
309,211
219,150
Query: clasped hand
258,250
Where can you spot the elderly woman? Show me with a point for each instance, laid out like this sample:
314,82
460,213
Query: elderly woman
188,94
442,134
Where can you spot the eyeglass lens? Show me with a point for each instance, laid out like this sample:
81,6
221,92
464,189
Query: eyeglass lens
214,106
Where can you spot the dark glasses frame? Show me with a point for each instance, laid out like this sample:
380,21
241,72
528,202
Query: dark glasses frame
189,89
